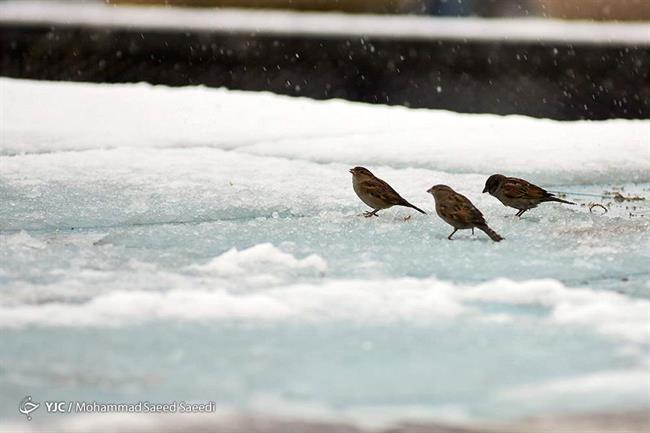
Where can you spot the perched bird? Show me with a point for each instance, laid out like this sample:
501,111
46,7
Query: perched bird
375,192
518,193
456,210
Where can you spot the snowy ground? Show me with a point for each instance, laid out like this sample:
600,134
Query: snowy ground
164,244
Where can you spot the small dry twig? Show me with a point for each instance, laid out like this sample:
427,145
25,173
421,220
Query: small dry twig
593,205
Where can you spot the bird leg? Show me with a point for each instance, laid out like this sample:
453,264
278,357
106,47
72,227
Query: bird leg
472,231
452,233
521,212
369,214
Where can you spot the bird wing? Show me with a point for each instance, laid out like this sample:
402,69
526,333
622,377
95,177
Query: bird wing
514,188
464,210
382,191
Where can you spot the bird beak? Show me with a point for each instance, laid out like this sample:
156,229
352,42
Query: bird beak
351,170
430,190
485,190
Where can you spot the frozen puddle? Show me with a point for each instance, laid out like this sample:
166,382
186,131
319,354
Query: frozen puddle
165,244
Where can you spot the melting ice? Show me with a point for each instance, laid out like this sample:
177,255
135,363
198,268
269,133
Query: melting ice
205,244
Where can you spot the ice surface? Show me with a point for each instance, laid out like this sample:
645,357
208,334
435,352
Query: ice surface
196,243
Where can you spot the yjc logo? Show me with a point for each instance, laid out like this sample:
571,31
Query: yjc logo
56,406
27,406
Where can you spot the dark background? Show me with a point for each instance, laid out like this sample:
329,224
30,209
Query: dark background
559,81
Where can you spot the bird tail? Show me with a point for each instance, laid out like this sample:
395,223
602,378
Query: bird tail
407,204
491,233
559,200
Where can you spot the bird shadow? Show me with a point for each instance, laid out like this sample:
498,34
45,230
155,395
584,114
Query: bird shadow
521,218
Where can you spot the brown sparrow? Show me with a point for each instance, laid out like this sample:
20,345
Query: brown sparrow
375,192
518,193
456,210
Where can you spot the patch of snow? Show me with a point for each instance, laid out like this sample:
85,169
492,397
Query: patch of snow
82,117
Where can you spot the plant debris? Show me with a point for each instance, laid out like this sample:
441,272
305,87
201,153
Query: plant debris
593,205
618,197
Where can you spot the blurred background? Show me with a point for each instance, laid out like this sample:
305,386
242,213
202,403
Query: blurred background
567,9
560,59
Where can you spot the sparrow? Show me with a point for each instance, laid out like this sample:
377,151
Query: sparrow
375,192
456,210
518,193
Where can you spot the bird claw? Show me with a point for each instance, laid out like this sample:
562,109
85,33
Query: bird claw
408,217
369,214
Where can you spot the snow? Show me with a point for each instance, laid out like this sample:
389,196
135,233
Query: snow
23,240
386,301
324,24
274,264
623,381
180,232
218,122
